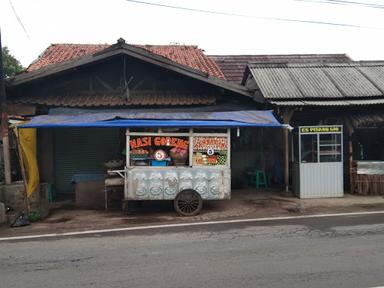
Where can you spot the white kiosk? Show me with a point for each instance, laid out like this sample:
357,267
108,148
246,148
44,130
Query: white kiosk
318,162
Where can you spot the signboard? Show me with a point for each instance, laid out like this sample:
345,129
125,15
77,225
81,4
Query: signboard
320,129
204,143
158,141
210,150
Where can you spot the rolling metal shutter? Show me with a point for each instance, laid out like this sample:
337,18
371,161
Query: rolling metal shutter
82,151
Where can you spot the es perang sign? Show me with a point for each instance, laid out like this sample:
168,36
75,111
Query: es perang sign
320,129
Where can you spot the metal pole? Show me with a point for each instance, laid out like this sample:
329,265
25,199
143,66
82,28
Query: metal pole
4,121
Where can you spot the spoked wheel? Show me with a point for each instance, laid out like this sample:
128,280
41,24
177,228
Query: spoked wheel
188,203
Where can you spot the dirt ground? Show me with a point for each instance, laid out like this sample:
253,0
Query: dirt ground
65,217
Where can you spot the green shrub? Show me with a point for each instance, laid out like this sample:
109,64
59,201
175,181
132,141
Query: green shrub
34,216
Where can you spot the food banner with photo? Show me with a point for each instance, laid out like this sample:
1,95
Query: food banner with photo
170,150
210,150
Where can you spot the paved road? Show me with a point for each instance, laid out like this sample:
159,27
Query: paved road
322,252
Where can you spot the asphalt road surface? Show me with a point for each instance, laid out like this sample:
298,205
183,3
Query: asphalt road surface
322,252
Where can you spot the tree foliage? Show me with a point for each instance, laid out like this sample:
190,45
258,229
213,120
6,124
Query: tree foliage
11,65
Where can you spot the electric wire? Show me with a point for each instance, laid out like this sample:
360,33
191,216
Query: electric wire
253,16
19,20
345,3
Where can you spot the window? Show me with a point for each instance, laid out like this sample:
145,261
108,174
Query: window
309,148
330,147
317,146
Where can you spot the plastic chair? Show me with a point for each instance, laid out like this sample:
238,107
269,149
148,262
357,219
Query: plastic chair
260,179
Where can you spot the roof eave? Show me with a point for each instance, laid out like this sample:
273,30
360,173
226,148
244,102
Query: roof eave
136,52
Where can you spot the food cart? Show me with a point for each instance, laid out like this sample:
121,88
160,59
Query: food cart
179,156
186,166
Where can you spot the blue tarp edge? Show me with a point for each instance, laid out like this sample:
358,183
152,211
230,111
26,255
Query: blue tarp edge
257,118
151,123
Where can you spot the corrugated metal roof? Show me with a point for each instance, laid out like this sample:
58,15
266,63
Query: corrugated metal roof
351,82
276,83
329,102
321,81
376,73
233,66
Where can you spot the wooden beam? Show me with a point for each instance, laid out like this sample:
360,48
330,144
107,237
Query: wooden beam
104,84
137,85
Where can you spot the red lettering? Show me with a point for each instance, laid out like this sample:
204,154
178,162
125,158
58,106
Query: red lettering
133,144
146,141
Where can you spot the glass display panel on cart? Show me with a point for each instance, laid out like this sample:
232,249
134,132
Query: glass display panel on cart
308,148
159,150
330,147
210,150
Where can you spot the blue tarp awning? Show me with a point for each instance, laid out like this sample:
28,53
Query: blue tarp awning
157,119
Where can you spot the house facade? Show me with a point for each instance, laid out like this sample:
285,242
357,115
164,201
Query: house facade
82,79
302,90
348,93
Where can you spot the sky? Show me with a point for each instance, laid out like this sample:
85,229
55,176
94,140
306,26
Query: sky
258,26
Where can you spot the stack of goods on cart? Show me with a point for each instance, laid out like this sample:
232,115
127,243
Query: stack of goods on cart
114,164
179,155
202,158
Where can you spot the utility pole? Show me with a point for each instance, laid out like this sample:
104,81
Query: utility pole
4,121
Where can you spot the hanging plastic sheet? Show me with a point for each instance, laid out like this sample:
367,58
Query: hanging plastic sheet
158,119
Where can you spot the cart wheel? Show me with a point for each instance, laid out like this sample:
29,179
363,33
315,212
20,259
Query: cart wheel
188,203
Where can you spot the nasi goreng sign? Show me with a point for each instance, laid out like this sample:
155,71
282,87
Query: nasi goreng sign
320,129
140,142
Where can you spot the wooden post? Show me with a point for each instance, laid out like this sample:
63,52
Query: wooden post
7,156
350,151
350,131
4,121
286,159
23,174
286,116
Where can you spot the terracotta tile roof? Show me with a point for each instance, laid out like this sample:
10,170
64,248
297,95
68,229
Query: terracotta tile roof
233,66
187,55
143,98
